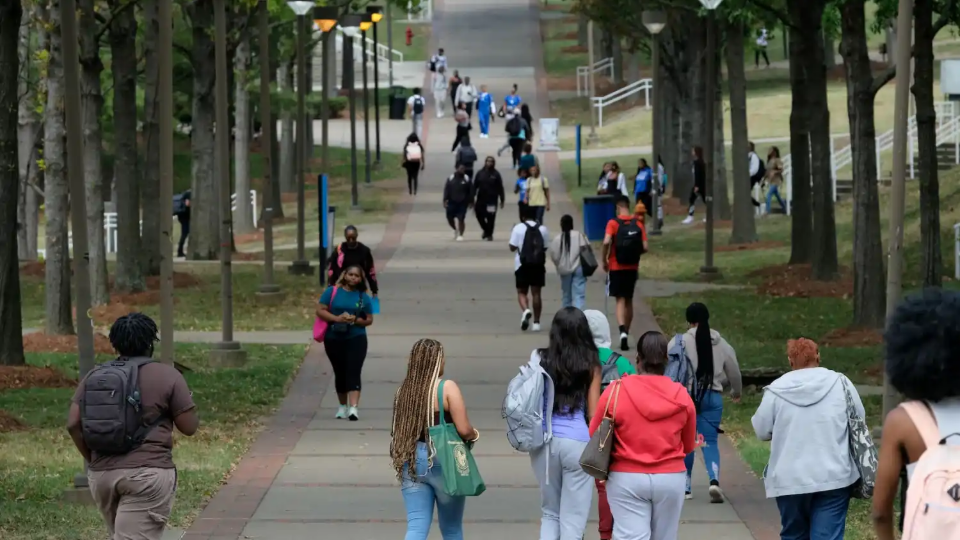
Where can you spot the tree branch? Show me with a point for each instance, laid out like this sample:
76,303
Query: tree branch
888,74
105,26
783,16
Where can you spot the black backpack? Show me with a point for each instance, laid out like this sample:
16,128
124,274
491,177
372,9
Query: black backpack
468,156
761,171
418,105
533,252
179,204
609,371
111,412
628,242
513,126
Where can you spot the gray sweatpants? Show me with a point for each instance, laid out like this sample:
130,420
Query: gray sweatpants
566,492
646,506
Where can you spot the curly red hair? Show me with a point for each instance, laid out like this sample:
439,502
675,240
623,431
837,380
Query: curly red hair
802,352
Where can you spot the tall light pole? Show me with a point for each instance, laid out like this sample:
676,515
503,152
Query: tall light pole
301,266
269,291
592,137
708,270
325,18
900,107
366,21
351,29
227,352
165,110
376,14
655,21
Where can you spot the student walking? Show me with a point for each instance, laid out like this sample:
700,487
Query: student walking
510,102
351,252
520,189
457,199
699,188
455,82
131,473
415,410
516,128
181,208
565,254
716,365
527,160
484,110
655,428
466,156
757,171
762,42
922,365
347,309
613,182
415,107
805,415
624,241
528,118
529,240
463,129
566,491
488,192
440,88
538,193
413,161
774,178
643,185
466,96
438,62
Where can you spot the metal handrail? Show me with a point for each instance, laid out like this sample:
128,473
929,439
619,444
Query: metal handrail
643,85
383,51
583,74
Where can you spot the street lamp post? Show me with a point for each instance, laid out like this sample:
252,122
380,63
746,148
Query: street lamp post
301,266
708,271
365,23
655,21
268,292
325,18
376,15
351,29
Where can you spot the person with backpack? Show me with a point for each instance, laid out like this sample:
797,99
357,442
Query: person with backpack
466,156
516,129
488,193
457,199
121,420
527,160
181,209
415,107
529,240
712,365
413,161
438,62
654,427
440,87
624,242
538,193
352,252
413,453
805,414
565,254
757,171
918,451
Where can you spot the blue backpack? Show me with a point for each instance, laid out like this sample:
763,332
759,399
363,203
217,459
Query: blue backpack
680,368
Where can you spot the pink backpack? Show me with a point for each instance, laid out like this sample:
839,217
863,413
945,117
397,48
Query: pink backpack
932,508
320,326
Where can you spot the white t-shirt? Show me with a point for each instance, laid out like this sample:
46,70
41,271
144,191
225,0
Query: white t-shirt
412,99
762,38
516,239
439,61
754,163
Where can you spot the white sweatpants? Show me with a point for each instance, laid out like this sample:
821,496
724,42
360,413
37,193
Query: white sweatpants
646,506
566,500
439,100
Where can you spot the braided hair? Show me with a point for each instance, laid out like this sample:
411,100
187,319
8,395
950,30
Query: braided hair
413,406
698,314
134,335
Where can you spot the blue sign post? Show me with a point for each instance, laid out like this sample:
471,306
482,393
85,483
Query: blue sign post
579,172
324,202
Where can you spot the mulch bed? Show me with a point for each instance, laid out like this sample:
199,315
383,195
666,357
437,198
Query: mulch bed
853,337
40,342
574,49
9,423
249,238
34,269
21,377
796,281
769,244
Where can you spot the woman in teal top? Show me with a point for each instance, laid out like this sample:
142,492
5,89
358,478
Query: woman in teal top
347,309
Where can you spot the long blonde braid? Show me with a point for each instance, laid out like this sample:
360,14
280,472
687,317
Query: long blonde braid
413,406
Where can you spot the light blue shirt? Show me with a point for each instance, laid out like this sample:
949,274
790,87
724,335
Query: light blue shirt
512,101
484,103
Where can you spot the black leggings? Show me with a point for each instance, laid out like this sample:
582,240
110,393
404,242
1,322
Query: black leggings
413,173
346,356
693,199
516,143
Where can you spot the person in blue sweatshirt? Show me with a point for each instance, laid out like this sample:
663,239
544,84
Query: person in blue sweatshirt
484,104
643,185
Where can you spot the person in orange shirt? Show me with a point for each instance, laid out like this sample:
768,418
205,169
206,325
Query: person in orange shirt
625,241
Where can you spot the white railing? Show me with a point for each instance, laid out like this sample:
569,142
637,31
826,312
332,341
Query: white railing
643,85
583,74
383,52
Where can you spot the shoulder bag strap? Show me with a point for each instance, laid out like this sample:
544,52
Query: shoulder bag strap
443,422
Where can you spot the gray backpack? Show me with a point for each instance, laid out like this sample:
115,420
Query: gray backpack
609,371
529,396
111,411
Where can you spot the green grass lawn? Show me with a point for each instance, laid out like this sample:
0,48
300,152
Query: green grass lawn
418,49
556,61
39,463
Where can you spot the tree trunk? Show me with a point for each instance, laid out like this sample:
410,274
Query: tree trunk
744,225
243,217
829,52
682,48
28,133
123,49
801,223
633,75
150,201
931,258
275,119
92,100
287,146
721,195
616,50
582,22
204,202
869,284
57,305
11,331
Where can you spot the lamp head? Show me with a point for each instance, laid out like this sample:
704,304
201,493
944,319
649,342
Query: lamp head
350,25
654,21
325,18
301,7
376,13
366,21
711,4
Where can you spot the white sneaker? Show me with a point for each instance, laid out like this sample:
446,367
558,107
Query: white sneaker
624,341
688,496
704,220
353,414
716,494
525,319
459,238
688,220
536,327
456,235
341,412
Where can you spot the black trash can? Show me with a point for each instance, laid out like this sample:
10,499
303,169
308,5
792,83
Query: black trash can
398,102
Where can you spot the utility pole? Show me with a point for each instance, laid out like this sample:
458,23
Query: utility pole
269,292
165,110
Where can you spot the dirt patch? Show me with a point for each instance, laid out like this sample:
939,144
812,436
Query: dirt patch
249,238
37,269
852,337
797,281
20,377
698,223
40,342
181,280
9,423
240,256
574,49
569,35
769,244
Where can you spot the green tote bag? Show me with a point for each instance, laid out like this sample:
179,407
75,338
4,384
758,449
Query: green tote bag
461,478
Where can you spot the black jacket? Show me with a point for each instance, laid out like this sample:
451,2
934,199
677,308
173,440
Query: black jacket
359,255
462,132
458,189
700,176
488,187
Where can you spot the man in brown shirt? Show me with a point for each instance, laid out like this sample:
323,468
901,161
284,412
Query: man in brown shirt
134,490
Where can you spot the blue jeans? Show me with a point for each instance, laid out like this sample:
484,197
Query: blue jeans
574,289
420,496
708,421
819,516
774,191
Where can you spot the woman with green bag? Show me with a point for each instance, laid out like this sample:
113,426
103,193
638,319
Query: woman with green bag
431,440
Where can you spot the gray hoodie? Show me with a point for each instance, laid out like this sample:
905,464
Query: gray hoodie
726,369
804,415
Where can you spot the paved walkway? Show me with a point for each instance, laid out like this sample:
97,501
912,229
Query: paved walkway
310,476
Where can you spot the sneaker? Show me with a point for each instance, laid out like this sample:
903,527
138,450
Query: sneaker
688,496
341,412
353,414
525,319
624,342
704,220
688,220
536,327
456,235
459,238
716,494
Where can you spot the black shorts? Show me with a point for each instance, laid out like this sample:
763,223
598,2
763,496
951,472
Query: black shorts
622,283
530,276
456,210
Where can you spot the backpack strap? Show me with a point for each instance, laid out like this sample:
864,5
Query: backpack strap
947,416
924,421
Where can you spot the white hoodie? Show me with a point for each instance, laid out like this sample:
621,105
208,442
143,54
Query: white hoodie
804,415
466,93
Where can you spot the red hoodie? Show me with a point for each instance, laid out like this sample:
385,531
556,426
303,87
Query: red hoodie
655,424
